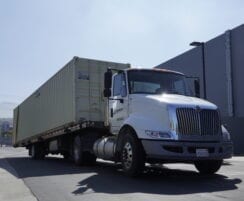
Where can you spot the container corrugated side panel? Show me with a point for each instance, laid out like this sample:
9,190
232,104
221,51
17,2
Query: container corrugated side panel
51,106
89,84
15,124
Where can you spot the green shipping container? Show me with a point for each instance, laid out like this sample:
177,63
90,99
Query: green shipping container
73,95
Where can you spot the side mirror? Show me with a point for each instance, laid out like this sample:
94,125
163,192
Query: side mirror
107,93
107,83
108,79
197,88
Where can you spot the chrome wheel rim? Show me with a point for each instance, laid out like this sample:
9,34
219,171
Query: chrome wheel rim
127,155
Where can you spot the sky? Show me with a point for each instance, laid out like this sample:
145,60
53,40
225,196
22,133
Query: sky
37,38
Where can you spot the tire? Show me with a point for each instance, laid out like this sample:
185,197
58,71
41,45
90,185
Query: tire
77,151
132,154
37,151
208,167
82,157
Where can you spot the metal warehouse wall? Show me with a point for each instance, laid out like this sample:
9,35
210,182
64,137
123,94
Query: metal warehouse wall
224,62
238,69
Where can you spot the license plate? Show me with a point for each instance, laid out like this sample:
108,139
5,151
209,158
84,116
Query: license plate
202,152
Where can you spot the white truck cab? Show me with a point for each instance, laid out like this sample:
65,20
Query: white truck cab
144,116
156,118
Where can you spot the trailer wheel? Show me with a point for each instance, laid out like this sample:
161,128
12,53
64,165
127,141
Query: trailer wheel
77,150
209,166
37,151
132,154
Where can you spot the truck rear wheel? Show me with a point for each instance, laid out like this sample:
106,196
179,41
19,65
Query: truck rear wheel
37,151
80,156
209,166
132,154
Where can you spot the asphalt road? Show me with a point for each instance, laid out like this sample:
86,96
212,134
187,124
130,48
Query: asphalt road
56,179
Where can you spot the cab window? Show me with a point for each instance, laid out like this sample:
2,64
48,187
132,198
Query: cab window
119,88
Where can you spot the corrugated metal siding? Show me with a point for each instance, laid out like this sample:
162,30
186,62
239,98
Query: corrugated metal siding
73,94
237,48
52,105
216,73
235,127
89,82
15,124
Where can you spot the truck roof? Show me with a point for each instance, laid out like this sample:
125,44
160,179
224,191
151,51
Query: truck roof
153,69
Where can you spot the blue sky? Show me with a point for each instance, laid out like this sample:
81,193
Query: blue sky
38,37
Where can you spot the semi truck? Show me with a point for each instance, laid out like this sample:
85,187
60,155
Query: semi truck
94,109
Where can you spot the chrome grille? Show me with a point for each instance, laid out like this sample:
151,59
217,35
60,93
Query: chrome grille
200,122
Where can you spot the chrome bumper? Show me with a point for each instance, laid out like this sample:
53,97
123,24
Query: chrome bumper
186,151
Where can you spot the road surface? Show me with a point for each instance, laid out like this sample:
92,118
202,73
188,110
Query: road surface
56,179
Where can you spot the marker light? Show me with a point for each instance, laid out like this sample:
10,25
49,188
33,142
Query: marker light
158,134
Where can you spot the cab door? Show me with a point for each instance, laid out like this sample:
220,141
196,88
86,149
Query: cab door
118,103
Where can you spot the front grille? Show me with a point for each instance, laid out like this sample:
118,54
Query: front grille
200,122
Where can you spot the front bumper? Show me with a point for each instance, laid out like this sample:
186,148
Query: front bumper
186,151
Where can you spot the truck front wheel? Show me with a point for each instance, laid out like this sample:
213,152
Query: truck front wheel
209,166
132,154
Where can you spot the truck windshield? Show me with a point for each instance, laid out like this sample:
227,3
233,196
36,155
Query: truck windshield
156,82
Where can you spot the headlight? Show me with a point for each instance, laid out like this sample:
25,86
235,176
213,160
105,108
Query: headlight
158,134
225,133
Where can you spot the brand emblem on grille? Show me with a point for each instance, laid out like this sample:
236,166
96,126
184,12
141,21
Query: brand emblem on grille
198,109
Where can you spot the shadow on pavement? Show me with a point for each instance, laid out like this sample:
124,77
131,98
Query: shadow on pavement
226,163
27,167
155,181
108,178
